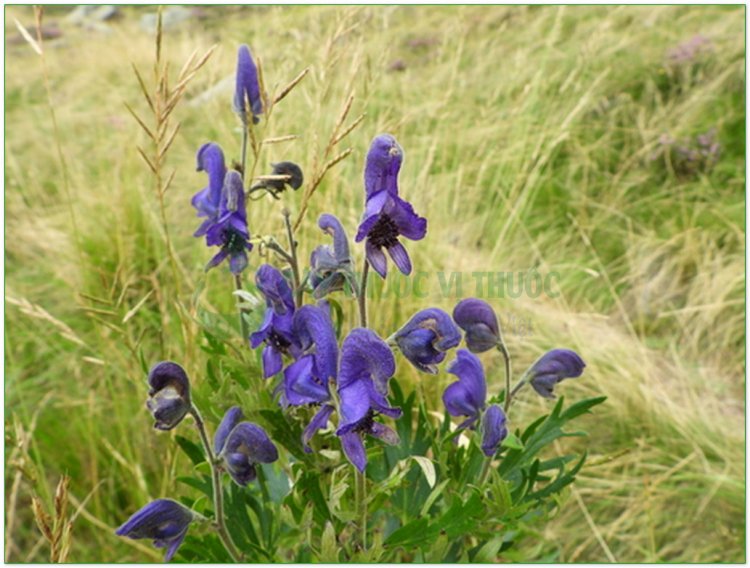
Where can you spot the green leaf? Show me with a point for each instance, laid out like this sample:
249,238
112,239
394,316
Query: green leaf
488,553
329,546
191,449
428,468
513,442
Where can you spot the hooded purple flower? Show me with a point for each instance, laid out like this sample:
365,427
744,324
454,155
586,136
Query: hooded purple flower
306,381
229,231
367,364
164,521
426,337
478,320
210,159
276,329
386,215
331,266
553,367
467,397
241,446
247,89
169,394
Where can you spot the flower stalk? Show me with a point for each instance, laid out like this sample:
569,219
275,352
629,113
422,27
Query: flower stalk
294,264
220,521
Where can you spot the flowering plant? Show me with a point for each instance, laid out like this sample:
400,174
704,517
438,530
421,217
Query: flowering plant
329,455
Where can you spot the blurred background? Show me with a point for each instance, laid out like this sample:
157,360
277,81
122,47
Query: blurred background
606,144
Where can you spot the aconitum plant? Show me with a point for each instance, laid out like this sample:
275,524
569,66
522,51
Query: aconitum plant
321,450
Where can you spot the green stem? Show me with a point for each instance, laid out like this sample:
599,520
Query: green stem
361,505
243,325
362,297
485,470
293,254
221,525
508,394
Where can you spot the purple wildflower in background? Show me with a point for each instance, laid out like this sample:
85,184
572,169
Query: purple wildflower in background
426,337
467,397
331,266
386,215
210,159
688,51
241,446
293,178
230,231
553,367
477,318
306,381
276,329
247,89
164,521
169,394
367,364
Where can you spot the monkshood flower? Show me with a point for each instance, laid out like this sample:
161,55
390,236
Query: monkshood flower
477,318
292,173
386,215
426,337
306,381
367,364
493,429
247,89
467,397
241,446
164,521
331,266
210,159
553,367
276,329
169,394
229,231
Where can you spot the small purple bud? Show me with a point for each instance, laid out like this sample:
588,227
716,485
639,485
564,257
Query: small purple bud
493,429
478,320
246,446
553,367
247,86
426,338
169,394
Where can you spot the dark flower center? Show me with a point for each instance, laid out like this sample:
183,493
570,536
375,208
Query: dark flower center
234,241
384,233
365,425
278,342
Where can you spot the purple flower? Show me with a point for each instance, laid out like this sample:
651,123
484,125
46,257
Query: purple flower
306,380
247,89
386,215
274,187
229,231
426,337
493,429
169,394
276,329
553,367
165,521
367,364
241,446
467,396
210,159
478,320
331,266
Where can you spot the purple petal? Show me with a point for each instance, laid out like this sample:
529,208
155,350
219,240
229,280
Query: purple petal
409,224
364,355
382,165
319,421
275,288
301,386
313,326
174,544
466,397
169,373
252,441
400,258
332,226
210,159
383,432
376,258
232,417
355,404
247,86
161,519
493,429
354,449
217,259
373,208
272,361
237,262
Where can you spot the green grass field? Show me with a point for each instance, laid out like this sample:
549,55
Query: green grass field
534,138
